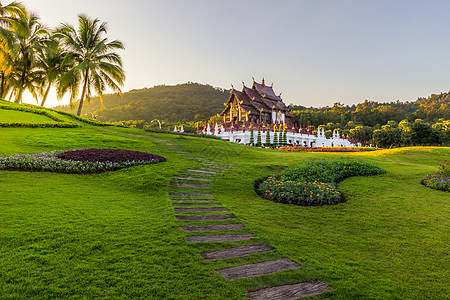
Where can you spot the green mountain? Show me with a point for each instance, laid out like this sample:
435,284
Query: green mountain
182,102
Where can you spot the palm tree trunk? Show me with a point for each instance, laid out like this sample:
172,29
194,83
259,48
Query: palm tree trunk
2,87
22,82
83,93
46,94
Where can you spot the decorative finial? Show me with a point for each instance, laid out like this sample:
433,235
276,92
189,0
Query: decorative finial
253,79
243,83
263,81
232,87
271,85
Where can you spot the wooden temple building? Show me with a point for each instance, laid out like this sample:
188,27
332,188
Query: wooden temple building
259,104
259,109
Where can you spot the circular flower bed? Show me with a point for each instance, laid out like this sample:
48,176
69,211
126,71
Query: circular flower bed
313,183
83,161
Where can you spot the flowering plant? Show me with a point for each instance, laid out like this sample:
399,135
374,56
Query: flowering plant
51,162
439,180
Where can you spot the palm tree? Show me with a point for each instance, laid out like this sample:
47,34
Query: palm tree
51,62
95,64
6,59
24,38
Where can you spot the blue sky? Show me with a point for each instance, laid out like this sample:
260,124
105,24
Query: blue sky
315,52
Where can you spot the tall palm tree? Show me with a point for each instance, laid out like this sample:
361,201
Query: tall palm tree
24,38
96,65
6,59
51,62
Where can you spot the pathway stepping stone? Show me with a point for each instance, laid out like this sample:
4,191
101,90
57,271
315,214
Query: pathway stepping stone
292,291
191,185
218,238
200,171
195,204
206,217
191,178
196,174
264,268
215,227
237,251
217,167
190,195
199,209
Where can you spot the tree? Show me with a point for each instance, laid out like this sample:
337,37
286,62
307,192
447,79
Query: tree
22,38
7,14
258,137
95,64
51,62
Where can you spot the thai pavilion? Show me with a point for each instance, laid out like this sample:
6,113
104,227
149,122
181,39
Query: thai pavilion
259,109
258,104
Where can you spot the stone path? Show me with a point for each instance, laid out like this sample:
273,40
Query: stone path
192,206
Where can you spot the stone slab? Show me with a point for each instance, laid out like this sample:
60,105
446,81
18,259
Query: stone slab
206,217
264,268
290,292
200,209
196,174
217,167
191,185
195,204
191,178
190,195
237,251
214,227
218,238
200,171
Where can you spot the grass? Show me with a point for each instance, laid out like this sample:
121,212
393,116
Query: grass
114,235
20,116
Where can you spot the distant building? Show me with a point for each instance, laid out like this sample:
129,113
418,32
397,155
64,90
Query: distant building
256,115
258,104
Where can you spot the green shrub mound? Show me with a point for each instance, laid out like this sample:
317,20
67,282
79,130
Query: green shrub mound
313,183
330,170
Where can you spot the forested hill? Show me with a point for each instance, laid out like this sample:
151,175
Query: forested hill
179,103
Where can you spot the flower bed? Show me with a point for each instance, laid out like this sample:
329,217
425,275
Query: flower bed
314,182
327,149
83,161
439,180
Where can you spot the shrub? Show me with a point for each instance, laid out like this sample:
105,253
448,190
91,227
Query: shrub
298,192
330,170
439,180
314,182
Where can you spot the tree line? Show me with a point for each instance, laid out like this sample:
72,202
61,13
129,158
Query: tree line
72,60
421,122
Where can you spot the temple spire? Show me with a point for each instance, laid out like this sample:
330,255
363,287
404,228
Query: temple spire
263,81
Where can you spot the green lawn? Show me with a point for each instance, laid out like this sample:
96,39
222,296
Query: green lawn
21,116
114,235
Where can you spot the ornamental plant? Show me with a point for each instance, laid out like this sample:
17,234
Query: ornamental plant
314,182
439,180
83,161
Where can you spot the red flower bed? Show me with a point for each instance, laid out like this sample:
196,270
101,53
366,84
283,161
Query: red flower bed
327,149
109,155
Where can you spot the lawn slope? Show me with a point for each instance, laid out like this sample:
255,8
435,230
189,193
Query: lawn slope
114,235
